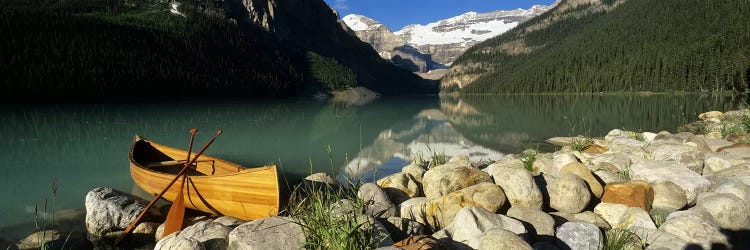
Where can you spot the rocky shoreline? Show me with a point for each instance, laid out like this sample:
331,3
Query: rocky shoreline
627,190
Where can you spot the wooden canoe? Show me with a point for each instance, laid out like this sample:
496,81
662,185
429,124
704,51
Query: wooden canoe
213,185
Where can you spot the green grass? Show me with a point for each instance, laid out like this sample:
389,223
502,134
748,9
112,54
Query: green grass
580,143
635,135
311,207
437,159
528,158
619,239
745,122
729,130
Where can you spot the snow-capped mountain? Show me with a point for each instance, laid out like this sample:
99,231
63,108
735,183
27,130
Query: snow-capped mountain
438,44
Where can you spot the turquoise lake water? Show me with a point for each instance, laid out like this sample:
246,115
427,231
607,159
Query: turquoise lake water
83,146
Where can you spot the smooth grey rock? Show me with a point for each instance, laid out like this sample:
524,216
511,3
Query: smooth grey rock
715,164
267,233
681,153
739,173
451,177
109,210
694,226
517,183
668,196
400,187
739,189
321,177
611,212
189,221
585,216
568,193
175,242
471,223
229,221
501,239
580,236
560,159
728,210
210,234
618,160
654,171
541,223
657,239
38,239
439,212
377,202
636,216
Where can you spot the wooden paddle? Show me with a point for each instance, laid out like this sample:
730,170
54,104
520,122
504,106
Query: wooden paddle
177,211
150,204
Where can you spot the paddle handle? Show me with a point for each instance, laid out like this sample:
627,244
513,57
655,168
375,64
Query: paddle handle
177,176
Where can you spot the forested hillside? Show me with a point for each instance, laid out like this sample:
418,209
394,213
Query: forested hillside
612,46
71,49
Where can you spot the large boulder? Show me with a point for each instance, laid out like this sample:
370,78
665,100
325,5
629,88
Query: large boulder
501,239
176,242
694,226
658,239
210,234
568,193
683,154
580,235
668,196
715,164
582,171
730,211
440,211
619,160
377,202
400,187
560,159
539,223
689,181
585,216
739,173
632,194
109,210
452,176
517,183
471,223
739,189
636,216
611,212
412,208
267,233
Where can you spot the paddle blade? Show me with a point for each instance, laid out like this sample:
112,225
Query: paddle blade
176,215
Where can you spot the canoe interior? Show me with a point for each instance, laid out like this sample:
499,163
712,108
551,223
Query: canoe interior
213,185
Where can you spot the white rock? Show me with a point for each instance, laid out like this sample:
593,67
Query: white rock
668,196
109,210
210,234
715,164
175,242
501,239
543,223
560,159
267,233
648,136
739,189
611,212
471,223
657,239
654,171
517,183
636,217
729,211
568,193
694,226
580,235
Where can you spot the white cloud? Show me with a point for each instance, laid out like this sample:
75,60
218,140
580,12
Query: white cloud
340,5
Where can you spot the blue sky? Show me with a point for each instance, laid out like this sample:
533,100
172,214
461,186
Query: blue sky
398,13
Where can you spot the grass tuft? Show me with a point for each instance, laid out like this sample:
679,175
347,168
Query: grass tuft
580,143
619,239
528,158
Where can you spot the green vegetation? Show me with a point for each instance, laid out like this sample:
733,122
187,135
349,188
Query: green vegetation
634,135
110,49
745,122
75,49
437,159
580,143
528,157
331,73
619,239
330,217
729,130
641,45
